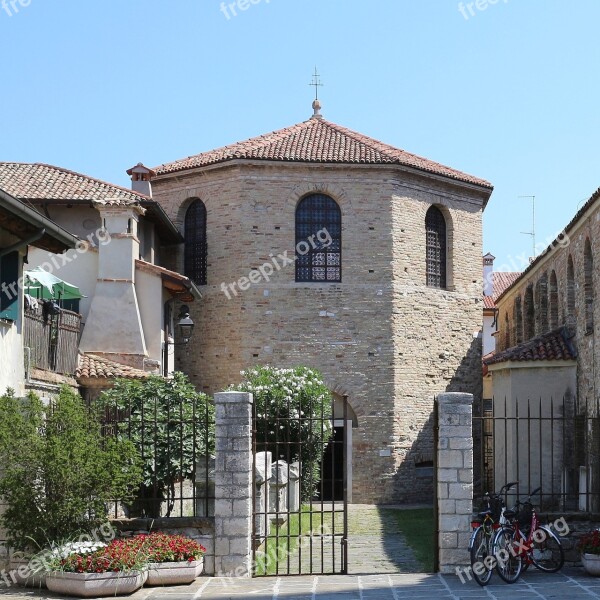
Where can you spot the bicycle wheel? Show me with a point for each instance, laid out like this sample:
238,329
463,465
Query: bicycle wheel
480,550
509,563
547,555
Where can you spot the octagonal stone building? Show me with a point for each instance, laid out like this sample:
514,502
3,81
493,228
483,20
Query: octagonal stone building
316,245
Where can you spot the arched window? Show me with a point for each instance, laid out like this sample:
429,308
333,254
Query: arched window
518,320
553,300
318,239
588,269
541,304
435,228
195,254
570,316
529,314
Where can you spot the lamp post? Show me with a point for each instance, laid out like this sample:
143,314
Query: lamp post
185,328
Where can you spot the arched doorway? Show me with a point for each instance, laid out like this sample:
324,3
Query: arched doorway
338,453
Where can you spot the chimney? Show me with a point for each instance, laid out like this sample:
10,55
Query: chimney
488,274
141,177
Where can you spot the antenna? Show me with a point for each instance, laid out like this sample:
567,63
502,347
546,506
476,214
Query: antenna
532,232
316,82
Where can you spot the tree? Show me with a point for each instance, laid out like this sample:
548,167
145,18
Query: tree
170,424
58,473
293,409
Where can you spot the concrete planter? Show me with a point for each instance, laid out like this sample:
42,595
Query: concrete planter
591,563
174,573
23,574
95,585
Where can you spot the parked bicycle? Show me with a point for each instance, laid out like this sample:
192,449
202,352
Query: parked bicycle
484,526
535,544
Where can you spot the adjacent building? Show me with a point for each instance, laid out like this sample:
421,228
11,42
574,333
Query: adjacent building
130,302
22,232
546,366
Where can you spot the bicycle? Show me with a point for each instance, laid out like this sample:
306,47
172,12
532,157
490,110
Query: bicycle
484,526
535,543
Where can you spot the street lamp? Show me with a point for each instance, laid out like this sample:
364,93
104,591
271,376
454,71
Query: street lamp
185,328
185,324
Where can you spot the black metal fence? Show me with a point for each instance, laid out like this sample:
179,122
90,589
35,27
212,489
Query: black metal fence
175,441
300,489
547,442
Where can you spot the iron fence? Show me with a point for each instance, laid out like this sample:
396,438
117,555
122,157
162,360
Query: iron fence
175,441
547,442
300,523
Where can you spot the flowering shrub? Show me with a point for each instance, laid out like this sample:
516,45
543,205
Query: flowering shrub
66,550
119,555
590,542
293,412
162,547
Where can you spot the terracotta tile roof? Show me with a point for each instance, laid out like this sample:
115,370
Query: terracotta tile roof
488,302
318,141
38,181
179,286
550,346
484,360
501,280
96,367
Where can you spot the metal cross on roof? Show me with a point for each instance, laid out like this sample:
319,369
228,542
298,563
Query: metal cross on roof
316,82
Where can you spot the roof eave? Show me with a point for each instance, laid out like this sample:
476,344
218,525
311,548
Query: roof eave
56,239
486,187
166,229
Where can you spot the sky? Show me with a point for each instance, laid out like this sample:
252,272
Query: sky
505,90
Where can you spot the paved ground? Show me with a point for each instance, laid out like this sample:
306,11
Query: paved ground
571,583
374,546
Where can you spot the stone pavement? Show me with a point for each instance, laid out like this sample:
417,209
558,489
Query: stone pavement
570,583
375,545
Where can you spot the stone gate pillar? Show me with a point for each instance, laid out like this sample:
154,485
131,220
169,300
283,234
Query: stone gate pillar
454,479
233,484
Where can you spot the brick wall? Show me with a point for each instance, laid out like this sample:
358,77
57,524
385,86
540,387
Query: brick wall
556,260
380,336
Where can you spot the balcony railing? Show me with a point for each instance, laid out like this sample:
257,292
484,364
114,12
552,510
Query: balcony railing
53,340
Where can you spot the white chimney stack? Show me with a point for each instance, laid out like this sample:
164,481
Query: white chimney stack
141,177
488,274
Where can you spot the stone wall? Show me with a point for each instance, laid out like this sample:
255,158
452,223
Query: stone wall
455,479
381,336
556,260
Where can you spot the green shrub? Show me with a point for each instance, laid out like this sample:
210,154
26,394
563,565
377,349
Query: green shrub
58,474
170,424
293,418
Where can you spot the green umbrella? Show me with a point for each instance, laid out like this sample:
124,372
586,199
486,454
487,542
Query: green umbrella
44,286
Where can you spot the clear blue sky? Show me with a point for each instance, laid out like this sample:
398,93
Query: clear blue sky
508,92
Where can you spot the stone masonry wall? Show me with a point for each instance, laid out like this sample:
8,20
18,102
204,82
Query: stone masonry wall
556,260
455,479
381,336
